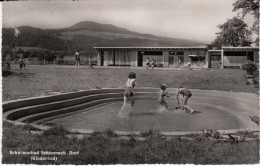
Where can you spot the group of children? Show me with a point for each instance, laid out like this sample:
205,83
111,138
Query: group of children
21,62
150,63
77,60
129,95
185,93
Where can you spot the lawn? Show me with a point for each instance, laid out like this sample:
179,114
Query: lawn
43,80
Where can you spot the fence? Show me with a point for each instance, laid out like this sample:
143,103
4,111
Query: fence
58,62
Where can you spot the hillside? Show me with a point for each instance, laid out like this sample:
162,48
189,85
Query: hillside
86,35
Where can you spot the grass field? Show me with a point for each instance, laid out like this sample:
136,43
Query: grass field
106,148
43,80
103,147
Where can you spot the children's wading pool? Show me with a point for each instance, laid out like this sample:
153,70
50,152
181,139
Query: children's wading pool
213,110
98,109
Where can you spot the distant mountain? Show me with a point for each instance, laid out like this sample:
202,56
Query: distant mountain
92,26
86,35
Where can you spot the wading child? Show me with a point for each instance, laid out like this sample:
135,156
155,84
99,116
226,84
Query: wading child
162,93
186,95
128,95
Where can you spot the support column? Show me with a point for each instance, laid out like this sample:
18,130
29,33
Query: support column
165,58
105,58
208,59
256,56
222,58
134,57
98,59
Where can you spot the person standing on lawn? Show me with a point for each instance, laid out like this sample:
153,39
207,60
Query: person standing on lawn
25,60
186,95
89,62
128,95
189,63
147,63
77,58
21,63
152,63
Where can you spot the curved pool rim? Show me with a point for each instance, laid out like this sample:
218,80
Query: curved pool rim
139,92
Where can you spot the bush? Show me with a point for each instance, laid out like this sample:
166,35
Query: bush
249,65
6,73
56,131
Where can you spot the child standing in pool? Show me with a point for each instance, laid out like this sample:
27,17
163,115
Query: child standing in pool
186,95
128,95
163,93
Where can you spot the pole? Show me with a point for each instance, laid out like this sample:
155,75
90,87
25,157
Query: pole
13,52
14,38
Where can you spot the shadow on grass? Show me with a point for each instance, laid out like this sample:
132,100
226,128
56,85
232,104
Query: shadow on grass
145,113
7,73
196,112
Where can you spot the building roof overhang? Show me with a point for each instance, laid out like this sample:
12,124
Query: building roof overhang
240,48
150,48
176,48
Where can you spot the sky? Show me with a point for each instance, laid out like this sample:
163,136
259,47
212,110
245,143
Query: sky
187,19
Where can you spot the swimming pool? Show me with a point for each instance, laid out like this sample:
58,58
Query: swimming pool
214,110
98,109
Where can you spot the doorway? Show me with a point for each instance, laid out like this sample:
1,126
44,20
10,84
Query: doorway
140,59
102,58
181,60
171,60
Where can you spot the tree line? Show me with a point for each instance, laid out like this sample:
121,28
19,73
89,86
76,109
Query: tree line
40,54
235,32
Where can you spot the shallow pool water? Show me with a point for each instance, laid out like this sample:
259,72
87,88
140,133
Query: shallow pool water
220,113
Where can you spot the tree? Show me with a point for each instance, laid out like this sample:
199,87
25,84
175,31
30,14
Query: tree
20,51
26,54
234,32
249,7
5,52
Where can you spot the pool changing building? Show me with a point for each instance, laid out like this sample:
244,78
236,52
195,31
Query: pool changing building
201,57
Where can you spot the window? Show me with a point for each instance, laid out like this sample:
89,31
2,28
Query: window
238,54
152,52
171,53
180,53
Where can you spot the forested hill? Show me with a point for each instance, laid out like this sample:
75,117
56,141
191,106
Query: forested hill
86,35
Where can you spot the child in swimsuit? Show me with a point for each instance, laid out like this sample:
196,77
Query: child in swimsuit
128,94
163,93
186,95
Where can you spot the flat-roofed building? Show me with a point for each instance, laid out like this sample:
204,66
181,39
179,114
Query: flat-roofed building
201,57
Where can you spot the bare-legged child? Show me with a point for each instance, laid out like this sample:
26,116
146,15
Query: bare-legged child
128,95
186,95
163,93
